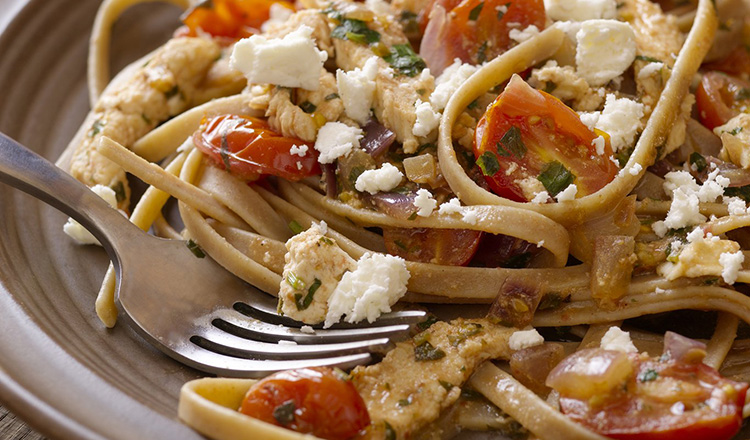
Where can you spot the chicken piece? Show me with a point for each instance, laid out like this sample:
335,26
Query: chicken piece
420,378
312,18
563,83
164,87
314,266
395,92
221,80
735,140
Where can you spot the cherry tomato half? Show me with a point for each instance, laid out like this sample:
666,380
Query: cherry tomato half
229,18
247,147
737,63
526,133
664,400
450,247
318,401
474,31
721,97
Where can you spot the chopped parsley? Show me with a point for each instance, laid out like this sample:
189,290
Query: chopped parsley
698,160
404,402
647,59
511,144
447,385
326,240
427,352
294,281
735,131
464,332
501,11
96,127
409,22
355,31
332,96
551,300
648,375
308,107
555,177
482,53
303,302
488,163
284,413
171,93
742,192
473,104
743,94
195,249
427,323
403,58
119,190
474,13
295,227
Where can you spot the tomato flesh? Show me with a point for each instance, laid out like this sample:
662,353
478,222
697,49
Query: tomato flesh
737,63
550,132
450,247
474,31
720,97
318,401
664,400
247,148
229,18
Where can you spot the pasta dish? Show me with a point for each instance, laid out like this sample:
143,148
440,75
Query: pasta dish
577,168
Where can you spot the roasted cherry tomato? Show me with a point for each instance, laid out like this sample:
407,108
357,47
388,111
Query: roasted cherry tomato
229,18
661,399
247,148
474,31
737,63
450,247
319,401
721,97
529,134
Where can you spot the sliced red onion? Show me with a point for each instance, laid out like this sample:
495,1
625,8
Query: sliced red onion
683,349
329,171
396,205
377,138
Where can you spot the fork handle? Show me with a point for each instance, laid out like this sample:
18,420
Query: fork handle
35,175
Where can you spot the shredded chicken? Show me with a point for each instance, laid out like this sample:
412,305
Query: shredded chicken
165,86
404,393
563,83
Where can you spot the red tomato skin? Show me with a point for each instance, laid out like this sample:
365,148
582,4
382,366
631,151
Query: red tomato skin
326,405
454,35
551,131
716,98
737,63
626,420
449,247
230,18
251,148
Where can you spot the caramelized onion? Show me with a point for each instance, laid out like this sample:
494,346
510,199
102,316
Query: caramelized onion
590,372
612,268
516,302
683,349
377,138
396,205
532,365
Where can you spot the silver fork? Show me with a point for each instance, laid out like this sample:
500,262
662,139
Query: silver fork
191,308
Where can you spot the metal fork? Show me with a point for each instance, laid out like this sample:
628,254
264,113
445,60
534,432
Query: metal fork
191,308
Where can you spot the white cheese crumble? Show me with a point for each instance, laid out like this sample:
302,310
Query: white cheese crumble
731,264
291,61
580,10
81,235
425,203
736,206
617,340
453,206
620,119
540,197
599,144
299,150
526,34
277,15
449,81
635,169
377,283
524,339
336,139
357,90
384,178
470,216
650,69
567,194
427,118
307,329
604,50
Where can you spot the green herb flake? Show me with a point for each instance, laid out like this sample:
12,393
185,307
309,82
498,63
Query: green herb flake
735,131
512,144
195,249
647,59
390,433
308,107
469,394
550,87
403,58
473,104
698,160
304,302
400,244
332,96
413,216
648,375
488,163
427,323
482,53
404,402
464,332
743,94
550,301
409,22
742,192
355,31
474,13
501,10
447,385
555,177
354,174
294,281
146,119
96,127
284,413
171,93
119,189
427,352
295,227
326,240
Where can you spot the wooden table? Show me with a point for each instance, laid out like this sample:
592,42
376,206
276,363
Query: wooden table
13,428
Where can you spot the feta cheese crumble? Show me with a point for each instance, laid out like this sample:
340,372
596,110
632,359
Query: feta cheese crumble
425,203
384,178
617,340
635,169
453,206
540,197
526,34
599,144
470,216
580,10
76,231
299,150
357,90
620,119
377,283
427,119
292,61
604,50
731,264
449,81
336,139
524,339
567,194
